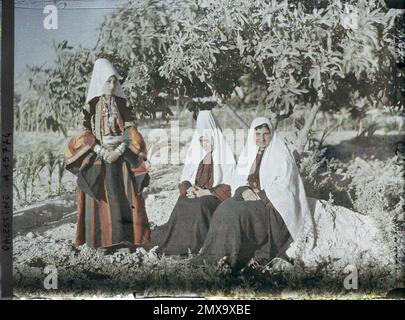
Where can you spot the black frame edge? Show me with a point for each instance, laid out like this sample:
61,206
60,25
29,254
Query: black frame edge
6,149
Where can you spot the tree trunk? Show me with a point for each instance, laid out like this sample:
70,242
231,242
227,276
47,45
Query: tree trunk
234,116
190,120
275,123
304,132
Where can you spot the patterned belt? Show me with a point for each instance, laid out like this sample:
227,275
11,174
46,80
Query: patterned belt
111,142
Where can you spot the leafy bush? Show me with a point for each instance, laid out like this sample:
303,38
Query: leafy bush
325,179
378,189
377,185
373,188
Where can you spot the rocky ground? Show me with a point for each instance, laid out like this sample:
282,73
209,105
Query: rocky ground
340,239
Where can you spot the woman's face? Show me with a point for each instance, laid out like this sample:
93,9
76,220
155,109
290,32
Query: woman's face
263,137
206,144
109,86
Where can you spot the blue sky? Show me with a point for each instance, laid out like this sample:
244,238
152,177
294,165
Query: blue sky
77,23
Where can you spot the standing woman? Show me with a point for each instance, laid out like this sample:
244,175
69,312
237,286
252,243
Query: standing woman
205,183
108,157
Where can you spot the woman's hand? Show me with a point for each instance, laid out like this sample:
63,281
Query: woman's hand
191,192
197,192
250,195
111,156
202,192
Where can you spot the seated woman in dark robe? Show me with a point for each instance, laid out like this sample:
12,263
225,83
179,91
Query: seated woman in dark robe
268,209
208,167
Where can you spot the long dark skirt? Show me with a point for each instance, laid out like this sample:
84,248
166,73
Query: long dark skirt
241,230
187,226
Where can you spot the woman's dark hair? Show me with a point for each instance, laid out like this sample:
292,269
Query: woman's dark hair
113,76
264,125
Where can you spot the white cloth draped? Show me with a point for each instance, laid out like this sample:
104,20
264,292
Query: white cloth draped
279,177
103,69
222,156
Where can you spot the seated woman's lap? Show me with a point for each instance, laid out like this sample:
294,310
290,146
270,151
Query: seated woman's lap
202,201
251,216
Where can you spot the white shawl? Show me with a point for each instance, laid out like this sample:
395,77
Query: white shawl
103,69
279,177
222,156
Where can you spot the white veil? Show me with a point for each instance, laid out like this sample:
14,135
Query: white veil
103,69
222,156
279,177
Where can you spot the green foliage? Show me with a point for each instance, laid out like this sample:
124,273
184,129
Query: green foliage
325,179
378,192
373,188
384,181
32,167
275,55
370,187
52,97
26,173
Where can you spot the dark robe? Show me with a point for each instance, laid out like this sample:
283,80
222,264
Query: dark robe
254,174
241,230
189,221
111,208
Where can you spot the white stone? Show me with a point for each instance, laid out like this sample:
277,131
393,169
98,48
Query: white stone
341,236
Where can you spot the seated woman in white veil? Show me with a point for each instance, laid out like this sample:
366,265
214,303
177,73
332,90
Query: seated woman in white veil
205,183
269,207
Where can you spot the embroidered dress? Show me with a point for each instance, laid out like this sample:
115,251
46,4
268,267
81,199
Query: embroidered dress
111,208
